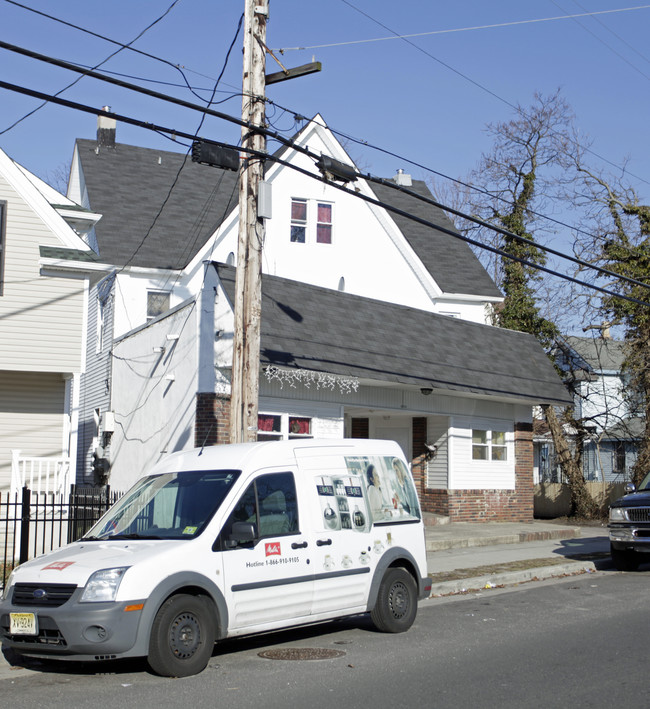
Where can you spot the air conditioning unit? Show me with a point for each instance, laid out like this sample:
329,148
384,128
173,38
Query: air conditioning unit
107,422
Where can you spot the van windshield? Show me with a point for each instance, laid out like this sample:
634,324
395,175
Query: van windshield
167,506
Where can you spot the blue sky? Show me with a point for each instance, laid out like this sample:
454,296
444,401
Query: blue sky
429,103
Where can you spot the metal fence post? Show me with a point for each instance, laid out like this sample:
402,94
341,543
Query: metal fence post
24,526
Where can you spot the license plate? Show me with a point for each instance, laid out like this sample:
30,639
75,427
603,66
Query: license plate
23,624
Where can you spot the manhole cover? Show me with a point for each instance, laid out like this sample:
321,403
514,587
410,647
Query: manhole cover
301,653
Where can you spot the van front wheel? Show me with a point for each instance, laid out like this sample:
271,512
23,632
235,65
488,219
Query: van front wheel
182,636
397,602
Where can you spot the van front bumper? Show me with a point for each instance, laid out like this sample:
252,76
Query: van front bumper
76,631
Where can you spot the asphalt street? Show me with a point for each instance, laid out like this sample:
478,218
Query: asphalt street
578,642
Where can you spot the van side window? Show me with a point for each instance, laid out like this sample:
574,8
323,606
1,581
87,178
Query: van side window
270,503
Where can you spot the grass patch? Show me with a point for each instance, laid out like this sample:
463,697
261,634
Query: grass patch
523,565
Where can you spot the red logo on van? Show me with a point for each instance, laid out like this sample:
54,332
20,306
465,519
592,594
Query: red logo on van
273,549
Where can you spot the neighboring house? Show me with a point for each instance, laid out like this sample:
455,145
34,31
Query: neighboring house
43,320
592,372
356,336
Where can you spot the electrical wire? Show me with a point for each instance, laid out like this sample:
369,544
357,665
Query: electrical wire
270,102
106,39
516,108
282,50
282,140
366,198
78,79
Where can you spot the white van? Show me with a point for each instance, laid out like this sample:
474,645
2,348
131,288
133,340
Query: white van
226,541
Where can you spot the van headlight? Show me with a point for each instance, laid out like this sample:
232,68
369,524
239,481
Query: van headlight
6,591
102,585
617,514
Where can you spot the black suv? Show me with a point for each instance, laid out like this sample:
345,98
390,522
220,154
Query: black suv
629,526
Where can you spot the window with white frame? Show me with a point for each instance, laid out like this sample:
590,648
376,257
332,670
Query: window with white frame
282,427
157,303
311,222
489,445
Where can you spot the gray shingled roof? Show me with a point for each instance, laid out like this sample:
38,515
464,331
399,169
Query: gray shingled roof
597,354
449,260
314,328
128,185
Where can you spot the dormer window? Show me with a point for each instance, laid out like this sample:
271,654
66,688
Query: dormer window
311,222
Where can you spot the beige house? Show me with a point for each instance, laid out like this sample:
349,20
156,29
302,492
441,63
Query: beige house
42,329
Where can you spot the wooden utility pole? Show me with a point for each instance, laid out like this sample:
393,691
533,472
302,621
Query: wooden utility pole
248,283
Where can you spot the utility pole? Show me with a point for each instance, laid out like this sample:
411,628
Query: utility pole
248,283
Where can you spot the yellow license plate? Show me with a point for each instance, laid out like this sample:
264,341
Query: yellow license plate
23,624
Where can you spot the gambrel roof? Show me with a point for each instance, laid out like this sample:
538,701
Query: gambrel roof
308,327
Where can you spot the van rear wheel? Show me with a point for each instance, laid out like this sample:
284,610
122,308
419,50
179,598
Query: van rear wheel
182,636
397,602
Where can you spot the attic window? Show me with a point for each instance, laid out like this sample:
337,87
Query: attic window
298,220
311,222
157,303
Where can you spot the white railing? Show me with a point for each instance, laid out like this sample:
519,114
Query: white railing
40,474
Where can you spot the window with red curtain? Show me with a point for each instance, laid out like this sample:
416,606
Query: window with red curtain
324,224
268,423
298,220
299,425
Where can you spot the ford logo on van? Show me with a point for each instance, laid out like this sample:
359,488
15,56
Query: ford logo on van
39,594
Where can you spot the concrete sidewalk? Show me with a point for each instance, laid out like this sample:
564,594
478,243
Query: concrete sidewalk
467,556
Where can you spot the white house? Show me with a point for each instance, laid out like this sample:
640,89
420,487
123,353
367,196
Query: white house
43,323
382,321
592,371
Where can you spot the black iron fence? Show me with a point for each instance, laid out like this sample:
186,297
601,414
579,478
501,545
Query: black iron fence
33,523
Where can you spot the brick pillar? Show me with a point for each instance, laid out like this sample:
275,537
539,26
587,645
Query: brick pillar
524,487
212,419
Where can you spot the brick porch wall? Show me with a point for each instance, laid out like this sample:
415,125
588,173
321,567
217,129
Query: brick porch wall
484,505
212,420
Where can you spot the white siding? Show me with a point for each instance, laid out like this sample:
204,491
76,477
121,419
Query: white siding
154,414
41,318
438,466
31,417
468,474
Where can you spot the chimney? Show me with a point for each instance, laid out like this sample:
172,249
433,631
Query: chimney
105,130
402,178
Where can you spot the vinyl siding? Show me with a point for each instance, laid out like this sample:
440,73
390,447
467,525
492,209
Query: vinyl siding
40,317
31,417
95,389
438,466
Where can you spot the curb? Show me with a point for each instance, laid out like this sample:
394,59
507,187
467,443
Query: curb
510,578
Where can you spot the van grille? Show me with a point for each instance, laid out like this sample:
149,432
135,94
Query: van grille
45,594
638,514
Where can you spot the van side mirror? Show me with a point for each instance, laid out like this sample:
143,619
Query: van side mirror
629,487
241,532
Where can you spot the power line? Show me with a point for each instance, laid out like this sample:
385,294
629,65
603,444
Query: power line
461,29
106,39
519,110
110,56
366,198
207,111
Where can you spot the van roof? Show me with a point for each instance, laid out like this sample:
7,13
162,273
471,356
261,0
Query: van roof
237,456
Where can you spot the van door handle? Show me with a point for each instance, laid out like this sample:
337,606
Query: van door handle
295,545
323,542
